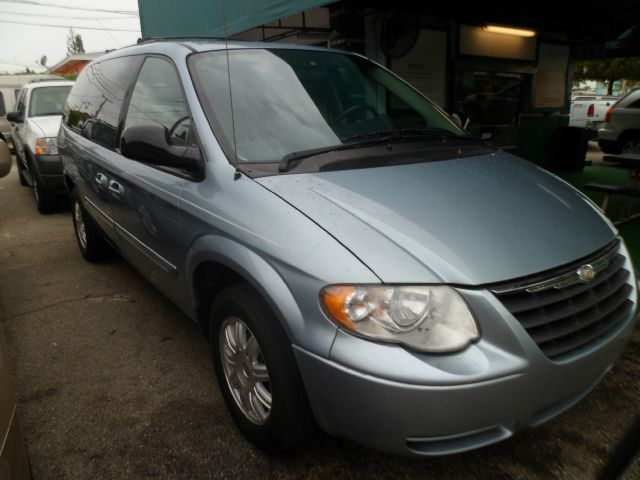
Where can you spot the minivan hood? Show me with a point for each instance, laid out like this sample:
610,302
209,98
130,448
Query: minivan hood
468,221
49,125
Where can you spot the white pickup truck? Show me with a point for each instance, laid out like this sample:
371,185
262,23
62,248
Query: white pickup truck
588,111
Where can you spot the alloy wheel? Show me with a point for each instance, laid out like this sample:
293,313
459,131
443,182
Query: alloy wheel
245,370
81,231
632,146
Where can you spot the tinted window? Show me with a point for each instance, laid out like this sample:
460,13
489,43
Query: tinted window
157,99
3,110
635,104
48,101
94,105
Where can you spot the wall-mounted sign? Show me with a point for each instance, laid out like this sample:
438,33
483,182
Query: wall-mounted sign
425,66
550,86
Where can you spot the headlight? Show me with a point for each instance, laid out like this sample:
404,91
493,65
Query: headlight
47,146
427,318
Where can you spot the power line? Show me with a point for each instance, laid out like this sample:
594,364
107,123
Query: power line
50,15
77,27
18,64
69,7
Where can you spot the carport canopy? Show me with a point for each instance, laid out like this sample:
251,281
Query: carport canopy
168,18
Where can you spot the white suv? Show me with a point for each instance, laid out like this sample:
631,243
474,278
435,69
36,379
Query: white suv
35,127
621,130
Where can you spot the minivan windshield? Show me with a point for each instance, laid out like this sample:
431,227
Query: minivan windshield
290,100
48,100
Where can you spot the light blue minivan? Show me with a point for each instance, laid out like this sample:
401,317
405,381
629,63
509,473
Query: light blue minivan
357,261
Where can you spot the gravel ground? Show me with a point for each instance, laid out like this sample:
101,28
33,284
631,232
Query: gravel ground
114,382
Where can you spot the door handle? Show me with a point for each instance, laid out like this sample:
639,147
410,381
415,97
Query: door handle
116,189
101,180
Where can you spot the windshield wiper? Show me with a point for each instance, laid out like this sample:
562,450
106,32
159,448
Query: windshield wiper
384,136
402,133
285,162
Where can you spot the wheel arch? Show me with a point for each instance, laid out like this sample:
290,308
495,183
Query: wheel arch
628,134
216,262
69,184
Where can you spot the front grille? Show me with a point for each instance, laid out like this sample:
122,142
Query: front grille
561,313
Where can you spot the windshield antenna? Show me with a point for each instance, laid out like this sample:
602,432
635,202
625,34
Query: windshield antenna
236,175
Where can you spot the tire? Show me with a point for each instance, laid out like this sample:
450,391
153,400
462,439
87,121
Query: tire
631,145
45,201
90,241
23,181
288,419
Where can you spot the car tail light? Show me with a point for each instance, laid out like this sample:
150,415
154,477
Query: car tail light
607,116
591,110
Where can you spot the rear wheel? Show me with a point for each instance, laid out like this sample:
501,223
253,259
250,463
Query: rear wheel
92,245
257,372
631,145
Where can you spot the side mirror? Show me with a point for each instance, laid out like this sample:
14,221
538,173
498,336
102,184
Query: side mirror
150,144
15,117
5,159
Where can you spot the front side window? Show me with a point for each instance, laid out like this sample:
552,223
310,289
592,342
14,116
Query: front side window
3,110
287,100
46,101
21,102
157,100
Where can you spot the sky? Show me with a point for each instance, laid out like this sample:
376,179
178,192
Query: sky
23,42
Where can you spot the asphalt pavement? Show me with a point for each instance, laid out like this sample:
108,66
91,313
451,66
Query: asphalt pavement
115,382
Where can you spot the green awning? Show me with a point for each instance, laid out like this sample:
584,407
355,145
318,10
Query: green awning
199,18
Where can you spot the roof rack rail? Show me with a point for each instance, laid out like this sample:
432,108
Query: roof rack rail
48,79
170,39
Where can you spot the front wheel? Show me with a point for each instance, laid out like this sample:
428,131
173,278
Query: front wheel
257,372
21,177
45,202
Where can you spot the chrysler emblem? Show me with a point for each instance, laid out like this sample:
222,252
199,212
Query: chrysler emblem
586,273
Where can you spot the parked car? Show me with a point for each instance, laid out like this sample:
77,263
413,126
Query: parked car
589,111
621,130
35,125
14,464
10,86
5,159
356,260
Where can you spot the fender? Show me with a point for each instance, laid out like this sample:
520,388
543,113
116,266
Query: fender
312,335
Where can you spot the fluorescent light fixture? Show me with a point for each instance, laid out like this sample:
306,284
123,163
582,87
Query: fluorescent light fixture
517,32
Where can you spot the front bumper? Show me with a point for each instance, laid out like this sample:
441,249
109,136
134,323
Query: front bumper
49,168
409,403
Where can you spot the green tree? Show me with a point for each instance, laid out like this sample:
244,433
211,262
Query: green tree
74,43
608,70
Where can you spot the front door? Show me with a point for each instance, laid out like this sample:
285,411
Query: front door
145,199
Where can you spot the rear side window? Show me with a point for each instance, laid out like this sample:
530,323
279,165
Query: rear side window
635,104
93,108
3,110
